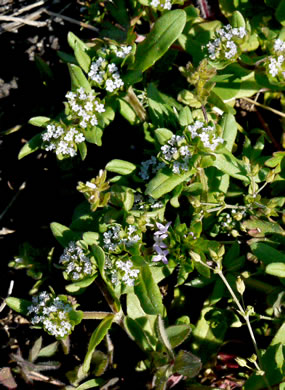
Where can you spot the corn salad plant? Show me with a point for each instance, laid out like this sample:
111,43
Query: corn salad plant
180,239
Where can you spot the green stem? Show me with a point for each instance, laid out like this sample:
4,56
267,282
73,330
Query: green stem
107,295
95,315
265,107
246,317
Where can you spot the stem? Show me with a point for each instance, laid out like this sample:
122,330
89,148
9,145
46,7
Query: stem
205,113
107,296
95,315
265,107
246,317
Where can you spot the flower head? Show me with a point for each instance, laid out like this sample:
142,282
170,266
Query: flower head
76,264
85,109
52,313
104,71
275,64
225,44
161,5
159,245
176,154
206,134
62,139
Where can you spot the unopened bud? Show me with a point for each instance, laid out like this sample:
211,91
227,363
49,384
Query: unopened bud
240,285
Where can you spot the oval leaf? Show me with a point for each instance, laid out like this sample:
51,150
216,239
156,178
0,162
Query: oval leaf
177,334
237,20
39,121
77,78
187,364
120,166
163,135
148,292
19,305
77,286
276,269
165,31
31,146
63,234
82,57
164,182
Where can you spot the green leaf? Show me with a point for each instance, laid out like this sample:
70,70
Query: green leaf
91,384
185,116
93,135
82,57
73,40
202,269
280,12
138,333
187,364
82,150
177,334
128,112
90,237
120,166
237,20
163,135
229,164
259,228
276,269
163,337
164,33
206,339
40,121
164,182
100,258
148,292
19,305
34,351
77,286
266,253
229,127
218,102
49,350
63,234
31,146
77,78
96,338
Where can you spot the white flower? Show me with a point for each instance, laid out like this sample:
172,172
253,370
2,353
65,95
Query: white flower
52,314
79,138
226,38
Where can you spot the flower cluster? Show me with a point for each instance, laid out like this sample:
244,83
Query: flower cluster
121,270
52,314
150,166
225,45
115,237
276,63
62,139
206,134
76,264
123,51
84,107
106,74
176,152
161,4
159,246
